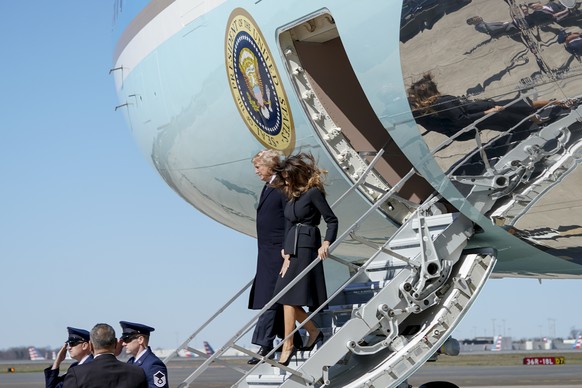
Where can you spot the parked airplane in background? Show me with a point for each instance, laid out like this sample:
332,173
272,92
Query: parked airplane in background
34,356
497,345
208,349
185,353
451,130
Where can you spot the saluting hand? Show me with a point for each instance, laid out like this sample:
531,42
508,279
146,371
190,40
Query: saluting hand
118,347
61,355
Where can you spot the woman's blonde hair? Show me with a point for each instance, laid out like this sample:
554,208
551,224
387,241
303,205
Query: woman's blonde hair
297,174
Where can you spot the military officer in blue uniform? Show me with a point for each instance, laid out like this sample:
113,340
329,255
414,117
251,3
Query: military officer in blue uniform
78,346
135,339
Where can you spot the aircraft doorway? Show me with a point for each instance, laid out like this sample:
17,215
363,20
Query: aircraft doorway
339,110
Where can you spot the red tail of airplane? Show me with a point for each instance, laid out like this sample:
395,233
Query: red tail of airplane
208,349
33,353
578,343
497,346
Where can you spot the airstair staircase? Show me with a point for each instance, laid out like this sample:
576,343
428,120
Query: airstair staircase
400,305
393,313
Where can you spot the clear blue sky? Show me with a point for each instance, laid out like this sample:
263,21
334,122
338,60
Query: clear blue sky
90,233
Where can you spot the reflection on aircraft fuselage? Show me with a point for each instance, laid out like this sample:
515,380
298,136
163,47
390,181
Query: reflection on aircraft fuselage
434,185
506,50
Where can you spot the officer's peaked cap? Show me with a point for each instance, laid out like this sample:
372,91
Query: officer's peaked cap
76,335
132,328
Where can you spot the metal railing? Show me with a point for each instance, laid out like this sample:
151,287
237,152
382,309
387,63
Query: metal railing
349,232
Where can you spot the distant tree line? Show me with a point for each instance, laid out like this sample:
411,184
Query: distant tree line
21,353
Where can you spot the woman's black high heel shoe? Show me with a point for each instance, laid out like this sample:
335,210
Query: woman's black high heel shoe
318,338
292,354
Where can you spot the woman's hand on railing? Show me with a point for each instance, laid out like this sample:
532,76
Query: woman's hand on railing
323,251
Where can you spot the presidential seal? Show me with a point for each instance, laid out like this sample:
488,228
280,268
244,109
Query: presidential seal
255,84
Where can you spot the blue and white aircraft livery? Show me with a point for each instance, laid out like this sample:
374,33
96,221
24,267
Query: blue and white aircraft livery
451,130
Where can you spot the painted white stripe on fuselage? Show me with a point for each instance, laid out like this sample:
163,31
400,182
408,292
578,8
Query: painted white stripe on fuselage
166,24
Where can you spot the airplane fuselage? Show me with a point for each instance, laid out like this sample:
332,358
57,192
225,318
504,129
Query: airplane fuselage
199,123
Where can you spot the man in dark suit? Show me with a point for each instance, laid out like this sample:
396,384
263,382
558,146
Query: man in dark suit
135,338
78,345
270,234
105,371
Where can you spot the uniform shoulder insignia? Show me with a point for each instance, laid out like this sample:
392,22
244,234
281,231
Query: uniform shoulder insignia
160,379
